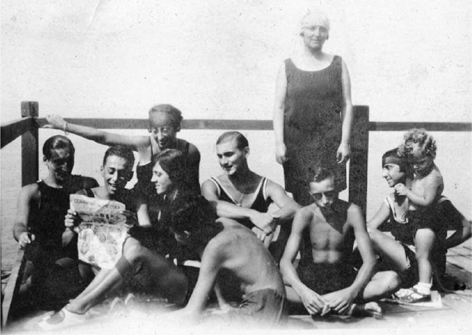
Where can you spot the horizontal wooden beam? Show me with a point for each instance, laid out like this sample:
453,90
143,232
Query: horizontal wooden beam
429,126
223,124
186,124
14,129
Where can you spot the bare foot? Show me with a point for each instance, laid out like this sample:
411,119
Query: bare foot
370,309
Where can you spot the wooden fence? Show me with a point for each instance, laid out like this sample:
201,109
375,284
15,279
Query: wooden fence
27,127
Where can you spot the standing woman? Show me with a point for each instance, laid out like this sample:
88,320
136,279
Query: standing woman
312,111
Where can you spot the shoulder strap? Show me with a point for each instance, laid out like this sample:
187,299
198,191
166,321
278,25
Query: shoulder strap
217,184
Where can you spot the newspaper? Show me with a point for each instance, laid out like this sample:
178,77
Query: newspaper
102,230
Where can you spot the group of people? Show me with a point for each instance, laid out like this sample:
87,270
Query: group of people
244,230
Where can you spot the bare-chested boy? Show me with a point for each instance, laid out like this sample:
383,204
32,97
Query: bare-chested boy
225,245
245,196
325,279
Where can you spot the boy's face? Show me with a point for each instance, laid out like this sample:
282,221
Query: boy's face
231,158
324,193
60,163
392,174
116,173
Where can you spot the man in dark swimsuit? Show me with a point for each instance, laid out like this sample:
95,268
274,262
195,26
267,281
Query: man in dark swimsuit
246,197
39,222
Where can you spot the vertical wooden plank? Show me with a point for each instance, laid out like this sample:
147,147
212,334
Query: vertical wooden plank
29,146
12,287
359,157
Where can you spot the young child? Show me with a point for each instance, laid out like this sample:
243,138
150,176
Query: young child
419,148
395,253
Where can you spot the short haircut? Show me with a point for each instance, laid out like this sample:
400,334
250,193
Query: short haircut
194,214
426,144
320,174
57,142
174,163
241,140
401,161
120,151
174,114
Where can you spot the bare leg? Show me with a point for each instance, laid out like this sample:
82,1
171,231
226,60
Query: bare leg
390,249
424,240
381,285
164,277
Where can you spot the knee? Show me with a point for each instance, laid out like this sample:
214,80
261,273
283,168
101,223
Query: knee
373,234
392,280
133,251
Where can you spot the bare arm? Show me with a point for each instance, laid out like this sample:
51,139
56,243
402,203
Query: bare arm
380,217
263,221
25,200
279,106
344,150
432,188
212,259
365,248
134,142
312,301
288,206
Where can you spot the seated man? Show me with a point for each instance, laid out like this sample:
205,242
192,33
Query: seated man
394,252
325,280
245,196
225,245
39,225
142,267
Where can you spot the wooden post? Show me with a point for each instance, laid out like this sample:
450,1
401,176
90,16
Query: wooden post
29,146
359,157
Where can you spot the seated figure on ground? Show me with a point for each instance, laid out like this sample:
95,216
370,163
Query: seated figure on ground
226,245
393,214
246,197
143,266
325,281
51,251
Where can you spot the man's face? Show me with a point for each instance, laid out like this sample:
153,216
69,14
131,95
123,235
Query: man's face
116,173
163,130
231,158
324,193
60,164
392,174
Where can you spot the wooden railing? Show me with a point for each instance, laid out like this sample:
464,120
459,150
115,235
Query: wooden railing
27,127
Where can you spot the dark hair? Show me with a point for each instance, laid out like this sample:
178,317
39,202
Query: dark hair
194,214
174,163
120,151
320,174
402,161
174,113
57,142
241,140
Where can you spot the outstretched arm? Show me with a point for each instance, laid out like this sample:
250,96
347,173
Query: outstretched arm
263,221
312,301
344,150
279,106
103,137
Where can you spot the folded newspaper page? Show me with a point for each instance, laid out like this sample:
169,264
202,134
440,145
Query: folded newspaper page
102,230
